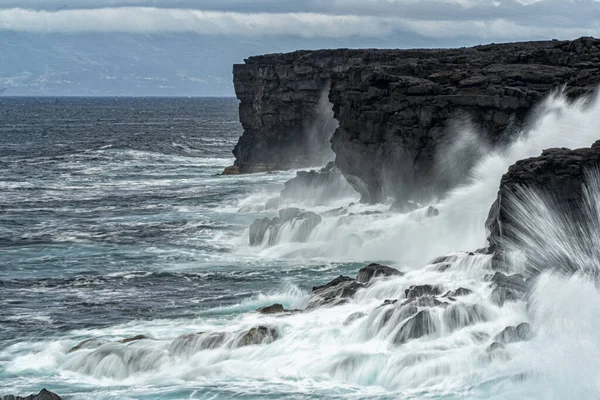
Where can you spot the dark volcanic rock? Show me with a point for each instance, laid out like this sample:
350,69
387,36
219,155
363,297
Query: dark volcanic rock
507,288
353,317
133,339
272,309
559,176
495,346
421,324
318,186
338,291
42,395
519,333
422,290
88,344
372,271
396,107
458,292
192,342
257,335
306,220
259,228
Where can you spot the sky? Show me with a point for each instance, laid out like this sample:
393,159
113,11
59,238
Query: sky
222,32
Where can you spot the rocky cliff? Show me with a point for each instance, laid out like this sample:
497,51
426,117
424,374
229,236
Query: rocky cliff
559,176
397,108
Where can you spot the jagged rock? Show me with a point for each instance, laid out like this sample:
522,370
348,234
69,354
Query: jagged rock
318,186
374,270
231,170
308,220
257,335
457,316
95,343
494,347
338,291
272,309
396,107
425,301
444,259
458,292
519,333
88,344
42,395
507,288
193,342
133,339
259,228
421,324
422,290
353,317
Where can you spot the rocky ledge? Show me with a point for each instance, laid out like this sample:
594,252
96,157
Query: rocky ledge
396,108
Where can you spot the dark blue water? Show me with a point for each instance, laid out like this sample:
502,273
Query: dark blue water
114,223
111,213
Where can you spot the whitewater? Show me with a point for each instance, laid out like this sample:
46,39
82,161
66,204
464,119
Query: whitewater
201,275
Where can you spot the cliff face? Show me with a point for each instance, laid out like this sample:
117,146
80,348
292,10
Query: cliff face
284,108
396,108
559,175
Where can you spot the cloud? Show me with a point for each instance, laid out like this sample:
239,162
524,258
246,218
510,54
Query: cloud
508,19
151,20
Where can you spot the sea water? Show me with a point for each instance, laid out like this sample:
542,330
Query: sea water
114,223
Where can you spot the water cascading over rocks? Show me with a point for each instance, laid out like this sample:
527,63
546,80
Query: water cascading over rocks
547,208
397,108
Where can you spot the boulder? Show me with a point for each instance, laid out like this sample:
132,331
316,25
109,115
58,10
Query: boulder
88,344
458,292
133,339
417,326
317,186
353,317
272,309
495,347
335,292
257,335
304,223
191,343
259,228
231,170
372,271
42,395
422,290
511,334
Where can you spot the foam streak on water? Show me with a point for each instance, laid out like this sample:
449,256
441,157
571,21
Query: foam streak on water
179,263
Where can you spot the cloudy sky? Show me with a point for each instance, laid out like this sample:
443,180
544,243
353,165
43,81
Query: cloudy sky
282,25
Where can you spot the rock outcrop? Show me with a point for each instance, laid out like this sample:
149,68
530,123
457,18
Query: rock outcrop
42,395
397,108
304,222
559,174
373,271
317,186
335,292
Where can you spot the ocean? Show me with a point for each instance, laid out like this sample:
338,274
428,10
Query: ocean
115,222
